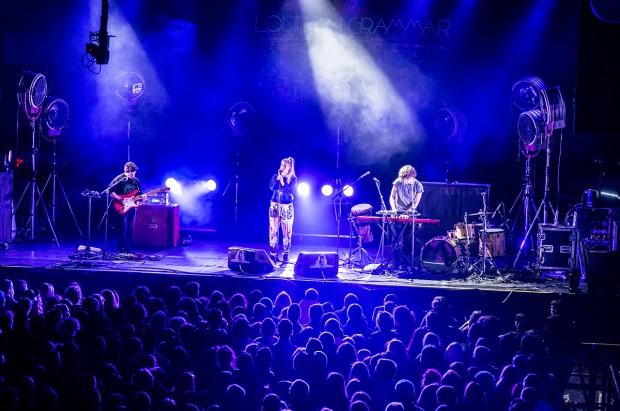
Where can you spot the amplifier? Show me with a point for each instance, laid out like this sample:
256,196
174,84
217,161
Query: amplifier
556,247
598,228
157,225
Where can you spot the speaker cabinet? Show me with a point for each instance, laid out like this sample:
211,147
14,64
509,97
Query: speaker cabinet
249,261
317,265
157,226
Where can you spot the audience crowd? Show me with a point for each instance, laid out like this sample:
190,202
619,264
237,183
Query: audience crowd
191,350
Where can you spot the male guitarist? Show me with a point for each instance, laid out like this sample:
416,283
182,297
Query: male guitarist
127,183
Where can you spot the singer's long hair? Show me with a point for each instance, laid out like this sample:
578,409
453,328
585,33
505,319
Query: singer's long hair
407,171
291,162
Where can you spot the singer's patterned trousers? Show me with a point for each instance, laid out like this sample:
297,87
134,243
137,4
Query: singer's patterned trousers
280,215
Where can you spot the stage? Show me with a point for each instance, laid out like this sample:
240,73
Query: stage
206,261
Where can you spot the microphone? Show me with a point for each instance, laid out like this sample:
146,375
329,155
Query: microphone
365,174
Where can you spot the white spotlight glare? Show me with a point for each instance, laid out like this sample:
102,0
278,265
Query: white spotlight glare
303,189
174,186
348,191
327,190
211,185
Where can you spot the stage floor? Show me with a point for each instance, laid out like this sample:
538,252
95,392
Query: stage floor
208,258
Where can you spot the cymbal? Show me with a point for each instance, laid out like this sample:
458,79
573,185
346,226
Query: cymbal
479,214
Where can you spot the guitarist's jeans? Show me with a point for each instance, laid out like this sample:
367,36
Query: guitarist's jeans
125,229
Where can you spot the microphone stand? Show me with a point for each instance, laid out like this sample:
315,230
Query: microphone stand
105,216
338,210
383,221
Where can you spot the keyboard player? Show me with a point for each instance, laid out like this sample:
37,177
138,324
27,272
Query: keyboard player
405,196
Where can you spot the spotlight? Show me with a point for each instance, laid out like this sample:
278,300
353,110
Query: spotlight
211,185
527,92
129,86
303,189
348,191
174,186
327,190
240,117
31,93
55,117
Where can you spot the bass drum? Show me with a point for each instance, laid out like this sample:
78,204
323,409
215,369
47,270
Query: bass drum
441,255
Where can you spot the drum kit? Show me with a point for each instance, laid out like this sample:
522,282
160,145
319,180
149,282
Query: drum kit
470,248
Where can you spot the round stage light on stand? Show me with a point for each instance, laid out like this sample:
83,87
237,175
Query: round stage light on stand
130,87
526,93
31,93
55,119
240,117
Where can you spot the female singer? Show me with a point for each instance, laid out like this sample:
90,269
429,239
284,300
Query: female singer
281,212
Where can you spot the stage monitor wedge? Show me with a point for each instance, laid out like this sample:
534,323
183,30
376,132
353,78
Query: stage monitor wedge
249,261
317,265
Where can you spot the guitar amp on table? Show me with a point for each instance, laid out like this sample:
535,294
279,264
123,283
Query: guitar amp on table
157,225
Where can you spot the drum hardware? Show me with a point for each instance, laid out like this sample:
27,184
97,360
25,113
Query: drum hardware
485,262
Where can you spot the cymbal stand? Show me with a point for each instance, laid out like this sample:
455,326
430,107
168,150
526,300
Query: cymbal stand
485,263
468,242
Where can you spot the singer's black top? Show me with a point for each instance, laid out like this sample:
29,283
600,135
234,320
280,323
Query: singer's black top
127,186
282,193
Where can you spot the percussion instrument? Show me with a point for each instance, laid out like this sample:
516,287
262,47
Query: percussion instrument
496,242
361,209
440,255
464,231
363,228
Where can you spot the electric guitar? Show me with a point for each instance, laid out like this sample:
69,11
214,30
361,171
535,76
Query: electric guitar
132,199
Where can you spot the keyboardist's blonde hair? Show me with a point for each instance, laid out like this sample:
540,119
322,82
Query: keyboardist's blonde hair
407,171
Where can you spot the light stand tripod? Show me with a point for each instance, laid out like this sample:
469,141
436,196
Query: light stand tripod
33,186
54,178
545,203
526,205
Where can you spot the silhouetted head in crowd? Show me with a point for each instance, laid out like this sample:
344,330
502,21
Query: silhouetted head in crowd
431,376
282,301
271,402
405,392
395,406
311,294
294,313
385,322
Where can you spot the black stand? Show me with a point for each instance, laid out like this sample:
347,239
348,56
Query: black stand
54,178
526,205
545,203
33,186
338,212
380,256
88,253
485,263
